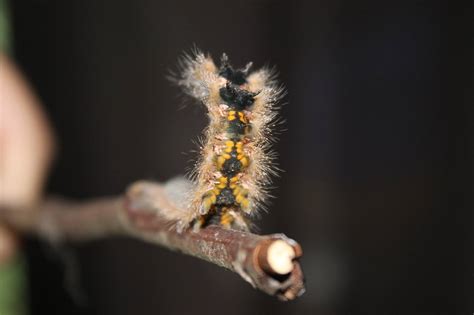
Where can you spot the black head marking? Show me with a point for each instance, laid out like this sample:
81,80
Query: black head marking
236,98
236,76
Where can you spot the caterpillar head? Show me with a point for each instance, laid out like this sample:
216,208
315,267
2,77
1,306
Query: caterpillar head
236,76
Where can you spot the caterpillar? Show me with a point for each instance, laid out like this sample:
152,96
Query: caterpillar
232,176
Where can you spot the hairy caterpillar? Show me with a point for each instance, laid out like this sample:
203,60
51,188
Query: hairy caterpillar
231,178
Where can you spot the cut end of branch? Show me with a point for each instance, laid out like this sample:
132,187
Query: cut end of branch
280,257
277,258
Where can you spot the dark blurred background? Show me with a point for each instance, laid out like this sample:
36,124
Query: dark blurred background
378,151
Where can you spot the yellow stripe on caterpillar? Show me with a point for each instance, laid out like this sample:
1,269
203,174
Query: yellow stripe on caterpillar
226,218
213,198
236,190
207,201
242,118
245,204
220,162
245,162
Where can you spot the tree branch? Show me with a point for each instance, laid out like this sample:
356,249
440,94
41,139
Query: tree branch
267,262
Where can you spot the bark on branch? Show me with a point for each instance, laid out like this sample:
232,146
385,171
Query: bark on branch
267,262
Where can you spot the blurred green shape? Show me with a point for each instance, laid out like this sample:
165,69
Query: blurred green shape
5,32
12,287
